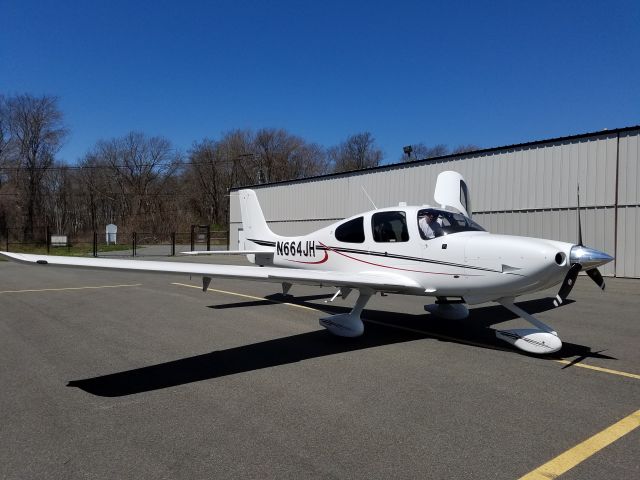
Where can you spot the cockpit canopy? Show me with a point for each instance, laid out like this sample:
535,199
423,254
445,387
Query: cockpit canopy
392,225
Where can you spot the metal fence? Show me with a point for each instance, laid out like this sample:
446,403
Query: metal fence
132,244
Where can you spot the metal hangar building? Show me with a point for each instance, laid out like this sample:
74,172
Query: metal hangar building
528,189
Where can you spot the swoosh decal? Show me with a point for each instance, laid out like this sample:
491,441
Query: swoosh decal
326,257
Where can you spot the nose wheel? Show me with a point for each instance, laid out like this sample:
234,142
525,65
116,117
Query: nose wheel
448,311
541,340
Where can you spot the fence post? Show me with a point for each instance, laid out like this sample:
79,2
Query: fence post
48,238
193,239
133,236
95,244
208,237
173,244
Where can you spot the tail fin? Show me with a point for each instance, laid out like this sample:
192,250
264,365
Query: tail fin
253,222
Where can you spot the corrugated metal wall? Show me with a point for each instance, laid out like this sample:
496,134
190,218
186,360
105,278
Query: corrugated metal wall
526,190
628,253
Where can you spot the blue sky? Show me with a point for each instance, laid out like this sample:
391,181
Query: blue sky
487,73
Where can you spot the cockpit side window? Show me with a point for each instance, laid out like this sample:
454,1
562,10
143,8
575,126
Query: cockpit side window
351,231
389,227
434,223
430,223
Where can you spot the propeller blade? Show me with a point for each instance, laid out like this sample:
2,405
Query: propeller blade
596,276
567,284
579,222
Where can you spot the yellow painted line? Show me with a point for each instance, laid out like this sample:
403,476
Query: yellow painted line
70,288
600,369
248,296
572,457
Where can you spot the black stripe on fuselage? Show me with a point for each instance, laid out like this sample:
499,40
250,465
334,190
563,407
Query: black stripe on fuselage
406,257
263,243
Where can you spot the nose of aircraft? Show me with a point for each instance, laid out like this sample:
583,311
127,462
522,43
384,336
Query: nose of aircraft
588,257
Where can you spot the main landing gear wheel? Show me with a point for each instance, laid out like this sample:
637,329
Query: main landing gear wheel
348,324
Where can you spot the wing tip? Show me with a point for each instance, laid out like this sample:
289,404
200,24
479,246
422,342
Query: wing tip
17,257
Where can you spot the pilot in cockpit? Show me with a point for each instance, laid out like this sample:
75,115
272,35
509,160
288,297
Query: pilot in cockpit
429,225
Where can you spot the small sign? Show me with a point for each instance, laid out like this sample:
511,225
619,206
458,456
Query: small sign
59,241
111,231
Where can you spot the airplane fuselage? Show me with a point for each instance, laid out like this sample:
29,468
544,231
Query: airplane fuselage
469,263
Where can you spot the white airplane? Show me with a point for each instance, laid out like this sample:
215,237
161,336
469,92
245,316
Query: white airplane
387,251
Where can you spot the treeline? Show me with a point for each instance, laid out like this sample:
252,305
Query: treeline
143,183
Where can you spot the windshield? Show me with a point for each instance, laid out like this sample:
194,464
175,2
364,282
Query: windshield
434,223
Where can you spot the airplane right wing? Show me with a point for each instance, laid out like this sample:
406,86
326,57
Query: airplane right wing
227,252
374,281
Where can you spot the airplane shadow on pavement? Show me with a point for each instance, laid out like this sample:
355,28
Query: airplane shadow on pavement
382,328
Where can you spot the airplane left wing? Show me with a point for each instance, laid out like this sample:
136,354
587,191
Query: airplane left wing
374,281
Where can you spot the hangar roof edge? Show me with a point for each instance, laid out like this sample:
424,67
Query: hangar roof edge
599,133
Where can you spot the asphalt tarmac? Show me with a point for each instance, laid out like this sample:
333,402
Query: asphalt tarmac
118,375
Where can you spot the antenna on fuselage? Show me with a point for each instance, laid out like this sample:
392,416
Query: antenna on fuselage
365,192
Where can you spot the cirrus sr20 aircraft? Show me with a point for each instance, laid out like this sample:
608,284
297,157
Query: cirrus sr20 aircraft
389,250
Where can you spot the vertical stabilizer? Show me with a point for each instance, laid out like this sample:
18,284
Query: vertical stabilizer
253,222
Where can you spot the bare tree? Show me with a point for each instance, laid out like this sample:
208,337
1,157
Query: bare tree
236,153
465,148
6,142
283,156
5,205
217,166
128,181
308,160
421,151
36,125
357,152
210,174
58,198
242,158
273,148
4,135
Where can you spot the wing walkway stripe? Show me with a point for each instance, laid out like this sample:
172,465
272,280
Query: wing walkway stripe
572,457
70,288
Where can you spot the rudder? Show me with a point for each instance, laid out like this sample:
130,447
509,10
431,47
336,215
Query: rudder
253,222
